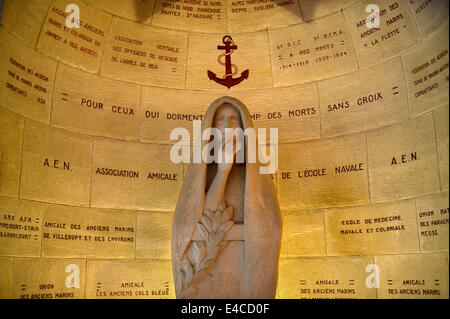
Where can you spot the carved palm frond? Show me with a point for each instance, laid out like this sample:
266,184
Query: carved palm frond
200,255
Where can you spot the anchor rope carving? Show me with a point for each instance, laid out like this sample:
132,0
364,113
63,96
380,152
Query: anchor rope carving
233,66
230,68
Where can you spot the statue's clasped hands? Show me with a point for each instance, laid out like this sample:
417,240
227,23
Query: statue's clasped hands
228,152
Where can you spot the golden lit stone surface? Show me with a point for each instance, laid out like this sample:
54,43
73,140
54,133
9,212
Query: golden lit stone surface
154,231
20,227
11,137
255,15
380,100
141,10
48,278
55,166
313,9
252,54
324,278
397,31
363,140
6,279
429,15
90,104
303,233
30,13
81,48
376,229
145,55
426,73
26,82
294,111
442,133
403,160
413,276
432,216
74,232
311,51
201,16
331,172
142,178
130,279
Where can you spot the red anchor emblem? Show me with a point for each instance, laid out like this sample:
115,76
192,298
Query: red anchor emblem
228,79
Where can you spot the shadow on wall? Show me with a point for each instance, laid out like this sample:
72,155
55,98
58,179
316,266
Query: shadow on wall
144,8
291,9
1,10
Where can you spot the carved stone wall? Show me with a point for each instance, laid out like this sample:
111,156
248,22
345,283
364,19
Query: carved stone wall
87,188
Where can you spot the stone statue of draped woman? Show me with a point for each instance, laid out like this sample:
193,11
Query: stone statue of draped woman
226,230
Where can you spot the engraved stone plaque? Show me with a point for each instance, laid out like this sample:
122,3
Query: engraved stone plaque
324,278
313,9
6,279
31,11
55,166
140,11
163,110
375,229
429,15
78,47
252,54
91,104
48,278
311,51
432,216
26,82
20,227
330,172
421,276
142,178
253,15
153,235
303,233
129,279
366,100
294,111
145,55
442,134
75,232
396,33
191,15
403,160
11,138
426,73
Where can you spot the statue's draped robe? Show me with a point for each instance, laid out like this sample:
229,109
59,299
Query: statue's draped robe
257,261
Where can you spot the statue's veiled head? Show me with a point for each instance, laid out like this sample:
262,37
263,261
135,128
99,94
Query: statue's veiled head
227,116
